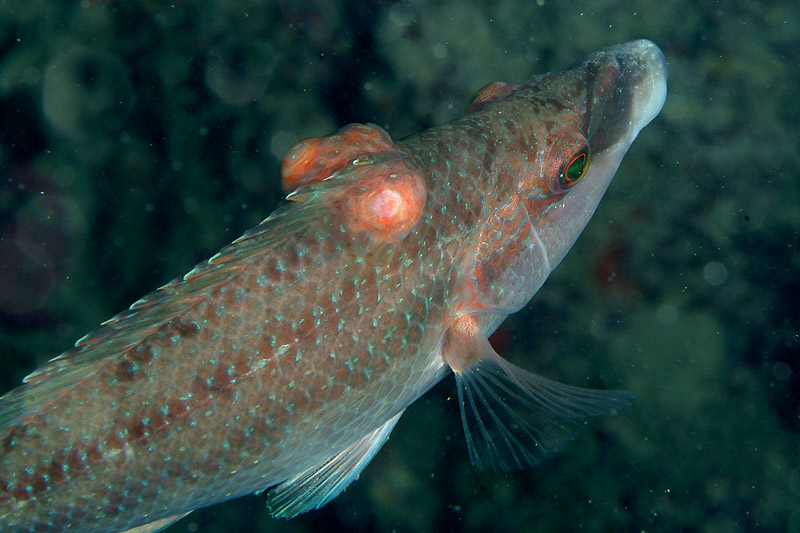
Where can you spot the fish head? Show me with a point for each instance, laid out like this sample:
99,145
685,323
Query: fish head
588,116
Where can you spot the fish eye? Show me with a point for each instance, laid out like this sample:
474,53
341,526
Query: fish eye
567,162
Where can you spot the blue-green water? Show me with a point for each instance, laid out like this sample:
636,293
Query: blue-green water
138,137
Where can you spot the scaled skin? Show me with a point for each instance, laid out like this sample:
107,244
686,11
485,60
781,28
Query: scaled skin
320,325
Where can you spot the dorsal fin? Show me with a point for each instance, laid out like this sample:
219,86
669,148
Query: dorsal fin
170,302
315,159
488,93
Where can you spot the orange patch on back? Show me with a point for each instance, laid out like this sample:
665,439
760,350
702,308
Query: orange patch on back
388,202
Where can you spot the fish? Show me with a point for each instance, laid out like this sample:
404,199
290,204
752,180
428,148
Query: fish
284,361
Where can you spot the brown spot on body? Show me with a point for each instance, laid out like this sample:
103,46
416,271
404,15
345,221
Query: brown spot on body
115,498
274,269
240,362
74,461
55,470
177,408
38,483
204,386
299,402
186,330
223,383
293,262
93,453
137,429
511,128
125,370
17,433
113,441
140,354
488,157
19,491
156,418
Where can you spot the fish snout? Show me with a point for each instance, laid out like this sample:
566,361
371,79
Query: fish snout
629,92
650,90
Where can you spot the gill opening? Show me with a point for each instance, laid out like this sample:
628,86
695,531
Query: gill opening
539,242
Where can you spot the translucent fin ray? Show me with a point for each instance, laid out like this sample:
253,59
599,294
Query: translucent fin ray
514,419
157,525
321,483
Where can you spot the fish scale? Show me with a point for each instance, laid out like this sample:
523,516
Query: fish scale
287,358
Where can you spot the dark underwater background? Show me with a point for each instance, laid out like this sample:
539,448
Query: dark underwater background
139,137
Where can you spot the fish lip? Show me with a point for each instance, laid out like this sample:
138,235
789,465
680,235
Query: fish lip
650,93
646,66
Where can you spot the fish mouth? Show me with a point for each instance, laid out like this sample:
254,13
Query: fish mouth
649,87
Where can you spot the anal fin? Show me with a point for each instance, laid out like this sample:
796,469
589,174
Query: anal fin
321,483
157,525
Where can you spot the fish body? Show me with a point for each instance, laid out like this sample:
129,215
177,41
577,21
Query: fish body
287,358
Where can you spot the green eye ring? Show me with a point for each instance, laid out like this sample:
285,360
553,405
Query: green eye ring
567,162
575,169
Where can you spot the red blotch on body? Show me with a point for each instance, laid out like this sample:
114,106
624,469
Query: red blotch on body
388,204
388,191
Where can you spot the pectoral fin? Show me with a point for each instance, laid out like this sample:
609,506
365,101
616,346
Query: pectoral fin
321,483
513,418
